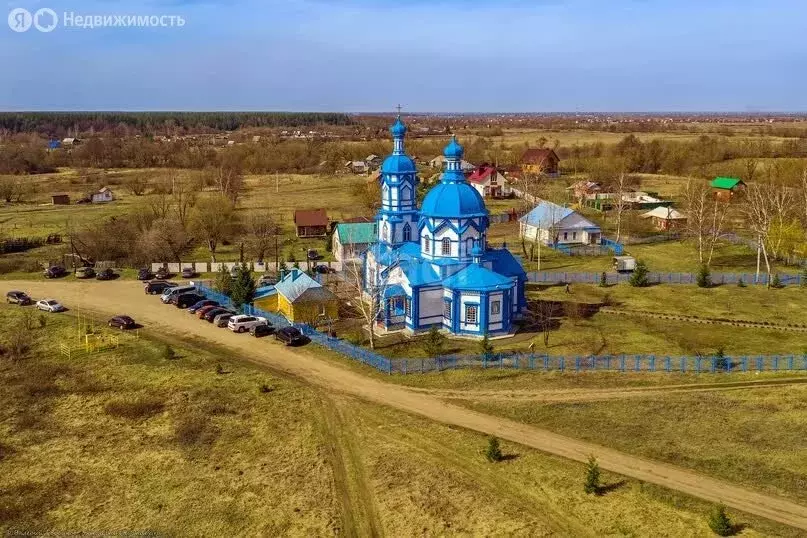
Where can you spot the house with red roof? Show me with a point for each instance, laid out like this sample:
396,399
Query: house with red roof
489,181
311,222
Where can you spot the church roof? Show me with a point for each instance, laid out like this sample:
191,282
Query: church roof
398,164
453,200
476,277
504,262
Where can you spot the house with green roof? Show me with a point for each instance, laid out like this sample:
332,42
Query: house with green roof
352,239
726,187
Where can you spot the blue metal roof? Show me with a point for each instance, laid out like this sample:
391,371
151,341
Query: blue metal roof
476,277
264,291
454,149
398,128
419,273
453,200
294,284
396,290
546,214
398,164
504,262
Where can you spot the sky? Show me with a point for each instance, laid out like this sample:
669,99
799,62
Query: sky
427,55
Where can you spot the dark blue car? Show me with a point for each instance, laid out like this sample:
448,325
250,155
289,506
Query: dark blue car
201,304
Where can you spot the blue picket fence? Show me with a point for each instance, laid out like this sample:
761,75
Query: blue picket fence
537,362
550,277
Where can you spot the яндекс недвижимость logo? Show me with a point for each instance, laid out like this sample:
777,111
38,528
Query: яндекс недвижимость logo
21,20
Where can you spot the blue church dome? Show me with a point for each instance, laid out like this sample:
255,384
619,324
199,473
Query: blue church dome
453,200
454,149
398,164
398,128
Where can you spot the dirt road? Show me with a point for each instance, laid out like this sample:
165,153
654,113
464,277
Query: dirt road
128,297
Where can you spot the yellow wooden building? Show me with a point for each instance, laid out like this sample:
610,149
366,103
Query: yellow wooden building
299,298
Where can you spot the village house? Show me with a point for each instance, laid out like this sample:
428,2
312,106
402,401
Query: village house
552,224
102,196
666,218
584,189
60,199
372,161
357,167
351,239
311,222
489,181
299,298
541,161
726,188
70,142
439,162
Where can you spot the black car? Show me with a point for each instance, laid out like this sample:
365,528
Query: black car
18,297
156,287
201,304
289,335
185,300
188,273
105,274
211,314
259,331
162,273
122,322
144,274
55,271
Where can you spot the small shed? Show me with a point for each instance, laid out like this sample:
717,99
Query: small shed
301,299
103,196
624,263
666,218
725,188
60,199
311,222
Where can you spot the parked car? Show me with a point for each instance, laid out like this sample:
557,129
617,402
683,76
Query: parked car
162,273
223,319
105,274
55,271
188,273
211,314
266,280
18,297
259,331
85,272
168,293
49,305
184,300
144,274
289,335
204,302
205,309
156,287
122,322
243,323
324,269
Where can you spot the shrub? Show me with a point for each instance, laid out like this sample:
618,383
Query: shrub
719,522
639,277
603,280
43,321
265,389
219,369
592,484
434,342
168,353
242,289
485,347
493,453
741,283
704,277
224,281
137,409
803,283
776,282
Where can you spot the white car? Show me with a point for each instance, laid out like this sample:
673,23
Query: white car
49,305
243,323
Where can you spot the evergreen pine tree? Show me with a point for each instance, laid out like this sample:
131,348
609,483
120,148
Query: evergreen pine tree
639,277
434,342
776,282
493,452
485,347
224,281
603,280
243,287
719,522
704,277
592,485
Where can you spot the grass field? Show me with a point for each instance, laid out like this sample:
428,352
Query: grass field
137,439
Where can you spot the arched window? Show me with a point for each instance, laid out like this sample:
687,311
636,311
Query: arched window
407,233
385,232
427,245
470,244
446,246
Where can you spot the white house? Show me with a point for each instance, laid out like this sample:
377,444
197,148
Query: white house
102,196
553,225
439,162
488,181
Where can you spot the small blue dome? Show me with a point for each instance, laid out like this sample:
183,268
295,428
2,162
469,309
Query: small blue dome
477,251
454,149
453,200
398,164
398,128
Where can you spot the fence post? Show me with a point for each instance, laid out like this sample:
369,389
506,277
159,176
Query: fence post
562,364
546,363
608,362
683,364
667,364
652,363
637,366
760,364
622,363
776,362
790,363
577,364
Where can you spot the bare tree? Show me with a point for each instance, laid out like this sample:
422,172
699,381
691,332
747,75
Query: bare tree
165,239
183,195
768,207
366,285
706,216
620,204
137,183
213,221
228,178
261,234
